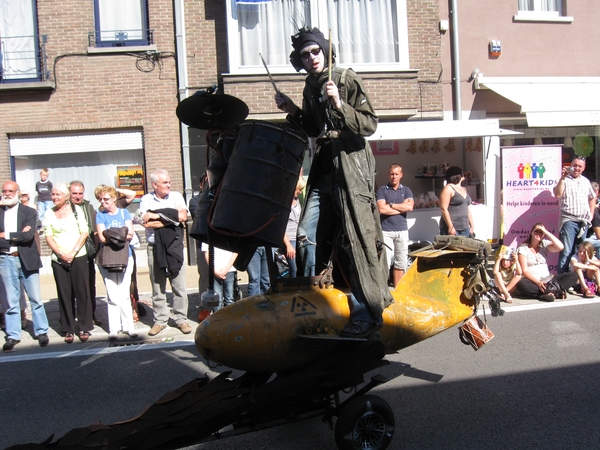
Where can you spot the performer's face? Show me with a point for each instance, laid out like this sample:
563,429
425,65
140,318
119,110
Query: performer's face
313,59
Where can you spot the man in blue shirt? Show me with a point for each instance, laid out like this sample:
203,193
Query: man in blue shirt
394,200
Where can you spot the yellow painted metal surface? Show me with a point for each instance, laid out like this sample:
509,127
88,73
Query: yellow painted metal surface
288,329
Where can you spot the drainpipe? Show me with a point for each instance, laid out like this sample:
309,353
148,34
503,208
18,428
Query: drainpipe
182,88
183,92
455,61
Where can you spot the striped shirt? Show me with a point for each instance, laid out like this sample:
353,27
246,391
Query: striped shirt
575,201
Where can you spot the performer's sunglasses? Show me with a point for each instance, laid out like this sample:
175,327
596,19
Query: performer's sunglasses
314,52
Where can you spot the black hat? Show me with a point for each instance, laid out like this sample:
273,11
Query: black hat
454,170
307,36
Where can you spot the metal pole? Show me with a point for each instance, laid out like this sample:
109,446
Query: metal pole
455,58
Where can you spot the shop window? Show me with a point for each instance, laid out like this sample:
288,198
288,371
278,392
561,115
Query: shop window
121,23
369,34
92,158
19,43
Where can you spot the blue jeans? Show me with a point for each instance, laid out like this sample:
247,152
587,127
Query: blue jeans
225,290
292,262
568,235
445,232
258,273
13,275
42,207
319,216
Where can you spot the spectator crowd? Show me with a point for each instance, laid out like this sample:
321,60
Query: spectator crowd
81,238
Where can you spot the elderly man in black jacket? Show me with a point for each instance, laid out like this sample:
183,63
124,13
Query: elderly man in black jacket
20,263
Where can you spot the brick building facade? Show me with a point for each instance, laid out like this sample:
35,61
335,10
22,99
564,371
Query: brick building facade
88,89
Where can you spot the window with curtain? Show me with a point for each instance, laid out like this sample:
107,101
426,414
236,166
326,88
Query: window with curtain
365,33
121,23
541,6
18,41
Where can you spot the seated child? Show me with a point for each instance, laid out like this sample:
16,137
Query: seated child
587,268
507,273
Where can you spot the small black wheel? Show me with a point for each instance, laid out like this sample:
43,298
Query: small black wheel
366,422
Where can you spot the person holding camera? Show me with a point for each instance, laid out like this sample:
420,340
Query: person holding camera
577,203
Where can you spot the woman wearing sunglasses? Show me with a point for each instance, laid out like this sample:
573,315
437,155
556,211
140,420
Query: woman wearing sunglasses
110,217
536,273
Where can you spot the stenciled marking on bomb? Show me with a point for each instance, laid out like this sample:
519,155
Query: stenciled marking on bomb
302,307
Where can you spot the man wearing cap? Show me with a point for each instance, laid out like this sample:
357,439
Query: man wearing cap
19,264
341,208
577,204
394,200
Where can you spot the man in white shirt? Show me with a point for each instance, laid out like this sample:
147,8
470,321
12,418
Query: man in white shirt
161,199
19,265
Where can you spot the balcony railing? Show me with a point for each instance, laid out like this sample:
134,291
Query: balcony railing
23,58
121,38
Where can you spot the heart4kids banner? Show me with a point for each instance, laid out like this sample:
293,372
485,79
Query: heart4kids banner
529,175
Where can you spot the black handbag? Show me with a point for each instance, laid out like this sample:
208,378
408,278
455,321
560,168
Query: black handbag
90,247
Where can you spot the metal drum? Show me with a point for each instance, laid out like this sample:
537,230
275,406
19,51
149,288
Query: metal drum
254,200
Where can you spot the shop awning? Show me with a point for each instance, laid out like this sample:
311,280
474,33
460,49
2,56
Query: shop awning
550,101
439,129
83,143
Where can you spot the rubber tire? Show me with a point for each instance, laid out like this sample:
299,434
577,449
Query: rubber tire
366,422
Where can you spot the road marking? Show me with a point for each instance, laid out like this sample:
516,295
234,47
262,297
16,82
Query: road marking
95,351
545,305
184,343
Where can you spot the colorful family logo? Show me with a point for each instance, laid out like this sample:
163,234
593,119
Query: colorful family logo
532,170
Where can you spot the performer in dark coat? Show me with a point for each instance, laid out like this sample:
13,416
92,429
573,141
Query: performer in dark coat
341,183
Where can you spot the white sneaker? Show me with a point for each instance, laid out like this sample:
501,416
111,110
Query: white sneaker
112,336
132,334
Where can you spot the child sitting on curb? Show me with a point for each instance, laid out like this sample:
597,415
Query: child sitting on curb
507,273
587,268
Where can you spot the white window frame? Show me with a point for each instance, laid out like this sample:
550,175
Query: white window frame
538,14
319,8
118,37
19,45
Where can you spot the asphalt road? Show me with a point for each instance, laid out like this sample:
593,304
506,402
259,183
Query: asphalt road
535,385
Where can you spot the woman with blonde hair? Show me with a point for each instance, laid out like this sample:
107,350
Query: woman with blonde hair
587,267
111,223
507,273
289,238
65,229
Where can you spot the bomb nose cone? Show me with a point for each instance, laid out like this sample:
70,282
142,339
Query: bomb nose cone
265,334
